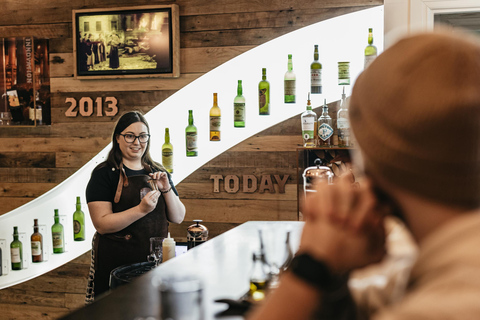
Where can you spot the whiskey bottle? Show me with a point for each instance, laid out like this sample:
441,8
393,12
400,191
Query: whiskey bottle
16,251
325,129
36,243
57,235
370,49
239,107
78,222
309,126
191,136
215,120
264,94
167,152
289,83
315,73
343,123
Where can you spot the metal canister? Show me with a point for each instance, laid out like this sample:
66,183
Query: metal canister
314,174
196,234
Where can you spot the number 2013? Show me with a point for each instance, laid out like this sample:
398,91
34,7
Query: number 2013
85,107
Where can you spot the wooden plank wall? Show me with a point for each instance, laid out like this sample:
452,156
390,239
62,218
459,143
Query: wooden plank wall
34,160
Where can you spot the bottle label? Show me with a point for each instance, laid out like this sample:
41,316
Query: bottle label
343,71
263,100
15,255
167,158
308,128
215,123
191,141
36,248
31,114
57,240
369,59
325,131
38,114
342,123
239,111
289,87
77,227
316,77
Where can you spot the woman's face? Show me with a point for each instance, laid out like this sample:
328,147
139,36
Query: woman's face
134,150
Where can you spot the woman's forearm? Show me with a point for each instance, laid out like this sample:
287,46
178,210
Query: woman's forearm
175,207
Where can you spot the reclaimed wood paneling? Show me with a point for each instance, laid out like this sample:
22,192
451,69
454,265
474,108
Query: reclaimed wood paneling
34,160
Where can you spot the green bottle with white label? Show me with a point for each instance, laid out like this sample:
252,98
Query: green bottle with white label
16,251
239,107
58,239
78,222
264,94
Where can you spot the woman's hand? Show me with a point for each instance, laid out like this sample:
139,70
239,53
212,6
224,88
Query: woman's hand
149,202
344,226
162,180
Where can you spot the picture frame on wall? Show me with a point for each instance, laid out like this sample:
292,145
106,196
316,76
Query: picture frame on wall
126,42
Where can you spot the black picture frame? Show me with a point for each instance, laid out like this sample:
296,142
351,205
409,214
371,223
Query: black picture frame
126,42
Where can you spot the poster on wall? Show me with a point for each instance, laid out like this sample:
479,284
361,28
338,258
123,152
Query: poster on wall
126,42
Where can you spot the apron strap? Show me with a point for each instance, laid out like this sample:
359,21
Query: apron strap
122,182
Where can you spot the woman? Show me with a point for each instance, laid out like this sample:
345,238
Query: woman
125,207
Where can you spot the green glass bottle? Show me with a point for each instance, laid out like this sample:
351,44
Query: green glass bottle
239,107
264,94
191,136
16,251
289,83
78,222
167,152
315,73
370,49
57,235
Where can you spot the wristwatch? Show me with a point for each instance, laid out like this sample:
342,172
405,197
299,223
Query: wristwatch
315,272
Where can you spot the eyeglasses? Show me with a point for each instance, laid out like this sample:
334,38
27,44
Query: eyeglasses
130,138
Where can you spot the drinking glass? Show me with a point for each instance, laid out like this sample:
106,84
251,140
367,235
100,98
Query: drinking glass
276,249
156,249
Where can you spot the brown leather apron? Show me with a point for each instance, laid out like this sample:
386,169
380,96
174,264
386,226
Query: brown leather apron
132,244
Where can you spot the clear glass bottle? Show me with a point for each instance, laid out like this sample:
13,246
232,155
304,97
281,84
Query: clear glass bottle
239,107
309,126
58,239
343,123
288,252
259,278
215,120
370,49
315,73
36,243
167,152
289,83
325,128
16,251
191,136
264,94
78,222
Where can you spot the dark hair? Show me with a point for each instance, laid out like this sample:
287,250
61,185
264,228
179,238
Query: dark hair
115,155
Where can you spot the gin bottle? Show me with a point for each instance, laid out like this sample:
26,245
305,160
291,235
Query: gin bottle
309,126
289,83
325,129
370,49
343,123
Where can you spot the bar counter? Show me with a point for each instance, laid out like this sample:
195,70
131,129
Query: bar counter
223,264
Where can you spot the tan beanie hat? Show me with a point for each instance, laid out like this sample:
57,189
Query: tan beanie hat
415,112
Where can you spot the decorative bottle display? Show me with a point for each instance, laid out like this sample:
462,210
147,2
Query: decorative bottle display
325,129
167,152
289,83
344,73
309,126
239,107
57,235
37,243
191,136
168,248
370,49
315,73
264,94
343,124
259,278
16,251
215,118
78,222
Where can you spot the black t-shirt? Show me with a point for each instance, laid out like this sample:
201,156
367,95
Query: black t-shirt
104,181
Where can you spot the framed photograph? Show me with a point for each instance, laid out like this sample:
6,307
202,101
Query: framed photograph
126,42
